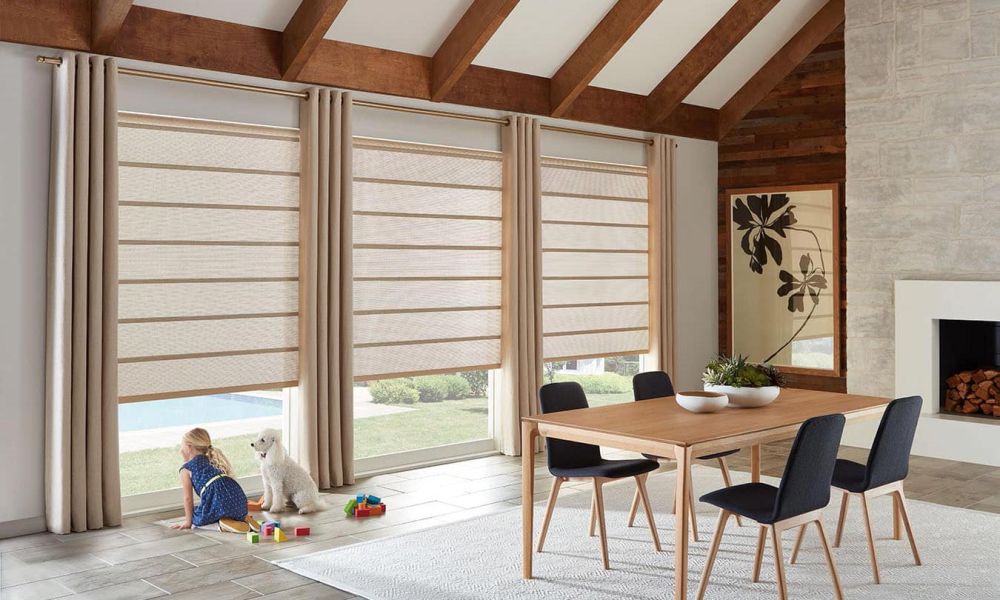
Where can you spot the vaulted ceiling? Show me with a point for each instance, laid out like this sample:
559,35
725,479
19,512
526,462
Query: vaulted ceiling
689,67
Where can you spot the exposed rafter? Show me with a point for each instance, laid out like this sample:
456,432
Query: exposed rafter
594,53
466,39
704,57
781,64
107,17
304,32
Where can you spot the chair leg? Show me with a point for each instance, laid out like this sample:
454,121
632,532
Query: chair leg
729,482
759,557
837,590
798,543
840,521
640,489
693,512
634,508
897,520
553,494
713,550
599,503
871,537
779,564
593,515
905,516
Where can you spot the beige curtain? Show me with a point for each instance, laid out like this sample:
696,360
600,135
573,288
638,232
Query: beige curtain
81,446
521,350
325,410
661,280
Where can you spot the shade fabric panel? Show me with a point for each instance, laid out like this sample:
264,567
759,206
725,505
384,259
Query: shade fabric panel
427,260
595,259
209,257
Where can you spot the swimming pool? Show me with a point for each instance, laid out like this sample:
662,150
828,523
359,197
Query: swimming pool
136,416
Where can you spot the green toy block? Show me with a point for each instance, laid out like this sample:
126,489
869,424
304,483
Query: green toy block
351,505
253,538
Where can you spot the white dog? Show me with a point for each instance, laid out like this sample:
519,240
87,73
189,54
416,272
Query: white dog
283,478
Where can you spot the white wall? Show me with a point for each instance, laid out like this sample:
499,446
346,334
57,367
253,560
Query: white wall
24,141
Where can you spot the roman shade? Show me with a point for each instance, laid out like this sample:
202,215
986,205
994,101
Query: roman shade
209,257
427,262
595,259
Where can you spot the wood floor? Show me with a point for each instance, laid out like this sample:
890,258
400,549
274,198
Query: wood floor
144,560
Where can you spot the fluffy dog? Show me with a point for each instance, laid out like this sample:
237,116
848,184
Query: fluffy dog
283,478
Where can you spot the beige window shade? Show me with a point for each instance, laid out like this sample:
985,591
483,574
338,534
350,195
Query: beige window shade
427,237
595,259
209,257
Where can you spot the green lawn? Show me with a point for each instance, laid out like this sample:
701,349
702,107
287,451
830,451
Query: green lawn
426,425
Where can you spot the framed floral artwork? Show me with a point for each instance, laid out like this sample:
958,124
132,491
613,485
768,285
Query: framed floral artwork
784,277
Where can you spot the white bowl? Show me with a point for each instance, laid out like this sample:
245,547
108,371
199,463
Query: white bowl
702,402
747,397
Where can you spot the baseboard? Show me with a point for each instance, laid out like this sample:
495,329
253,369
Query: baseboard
9,529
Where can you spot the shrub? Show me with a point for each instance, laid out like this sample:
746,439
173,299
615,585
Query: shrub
458,387
604,383
478,380
393,391
431,388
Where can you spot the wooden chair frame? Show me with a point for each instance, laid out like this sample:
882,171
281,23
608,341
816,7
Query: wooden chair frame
900,520
776,529
597,510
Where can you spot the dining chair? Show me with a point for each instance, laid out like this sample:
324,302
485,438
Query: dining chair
888,463
656,384
577,461
799,500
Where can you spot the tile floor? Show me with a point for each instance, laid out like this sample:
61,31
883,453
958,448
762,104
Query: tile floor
144,560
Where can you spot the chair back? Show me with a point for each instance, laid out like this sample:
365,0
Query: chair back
805,486
889,459
564,454
651,384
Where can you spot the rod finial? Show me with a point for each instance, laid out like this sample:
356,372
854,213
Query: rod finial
49,60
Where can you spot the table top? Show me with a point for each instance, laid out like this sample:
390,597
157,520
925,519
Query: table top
663,420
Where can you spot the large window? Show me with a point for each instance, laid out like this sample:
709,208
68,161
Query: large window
605,379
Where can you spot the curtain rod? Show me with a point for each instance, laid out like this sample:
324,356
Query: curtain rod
57,61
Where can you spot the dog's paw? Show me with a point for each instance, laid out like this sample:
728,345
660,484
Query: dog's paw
276,508
308,508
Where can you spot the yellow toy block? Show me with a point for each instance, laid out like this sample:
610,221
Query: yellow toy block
279,535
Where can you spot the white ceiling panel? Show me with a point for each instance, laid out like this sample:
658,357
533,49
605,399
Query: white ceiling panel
783,22
539,35
413,26
660,43
269,14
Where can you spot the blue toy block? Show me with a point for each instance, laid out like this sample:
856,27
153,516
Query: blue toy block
374,500
360,498
275,524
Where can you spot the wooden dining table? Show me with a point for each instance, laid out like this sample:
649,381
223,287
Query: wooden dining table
662,428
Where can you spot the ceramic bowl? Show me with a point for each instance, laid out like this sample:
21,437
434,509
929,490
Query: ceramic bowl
702,402
747,397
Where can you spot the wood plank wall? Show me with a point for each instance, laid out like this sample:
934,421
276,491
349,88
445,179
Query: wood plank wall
794,136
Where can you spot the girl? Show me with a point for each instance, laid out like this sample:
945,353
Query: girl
207,471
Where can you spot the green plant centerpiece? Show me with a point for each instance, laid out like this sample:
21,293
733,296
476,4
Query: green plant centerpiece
747,384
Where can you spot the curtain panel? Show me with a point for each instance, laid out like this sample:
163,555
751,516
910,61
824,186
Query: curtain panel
661,259
81,446
325,409
521,319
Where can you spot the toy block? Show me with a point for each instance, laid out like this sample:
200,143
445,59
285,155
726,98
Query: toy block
362,512
350,506
274,524
255,505
374,500
360,498
267,530
375,510
382,506
279,535
253,538
300,531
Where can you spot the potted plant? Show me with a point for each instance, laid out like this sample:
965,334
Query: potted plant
747,384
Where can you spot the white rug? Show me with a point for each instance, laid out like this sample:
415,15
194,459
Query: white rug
481,557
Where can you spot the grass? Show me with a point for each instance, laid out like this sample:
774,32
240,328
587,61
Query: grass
425,426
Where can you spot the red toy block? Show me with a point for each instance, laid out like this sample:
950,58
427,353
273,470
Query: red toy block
299,531
362,512
267,530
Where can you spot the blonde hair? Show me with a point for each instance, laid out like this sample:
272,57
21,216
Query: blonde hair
199,439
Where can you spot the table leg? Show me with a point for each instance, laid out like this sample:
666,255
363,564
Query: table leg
529,431
755,463
683,504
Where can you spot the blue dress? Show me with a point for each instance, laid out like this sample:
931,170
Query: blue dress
222,498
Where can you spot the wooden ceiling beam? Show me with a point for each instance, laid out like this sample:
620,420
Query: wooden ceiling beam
781,64
466,39
597,50
704,57
304,32
107,19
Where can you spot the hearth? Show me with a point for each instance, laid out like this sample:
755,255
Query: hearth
969,359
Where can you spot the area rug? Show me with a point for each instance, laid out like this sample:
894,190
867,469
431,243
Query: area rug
481,558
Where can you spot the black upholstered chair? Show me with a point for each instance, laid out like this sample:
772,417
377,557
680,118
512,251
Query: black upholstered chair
888,463
574,460
656,384
798,500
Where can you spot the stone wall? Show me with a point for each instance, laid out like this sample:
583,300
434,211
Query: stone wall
923,161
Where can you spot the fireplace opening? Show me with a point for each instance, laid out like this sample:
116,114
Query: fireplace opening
969,360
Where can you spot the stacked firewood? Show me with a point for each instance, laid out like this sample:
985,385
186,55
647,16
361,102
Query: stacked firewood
971,392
